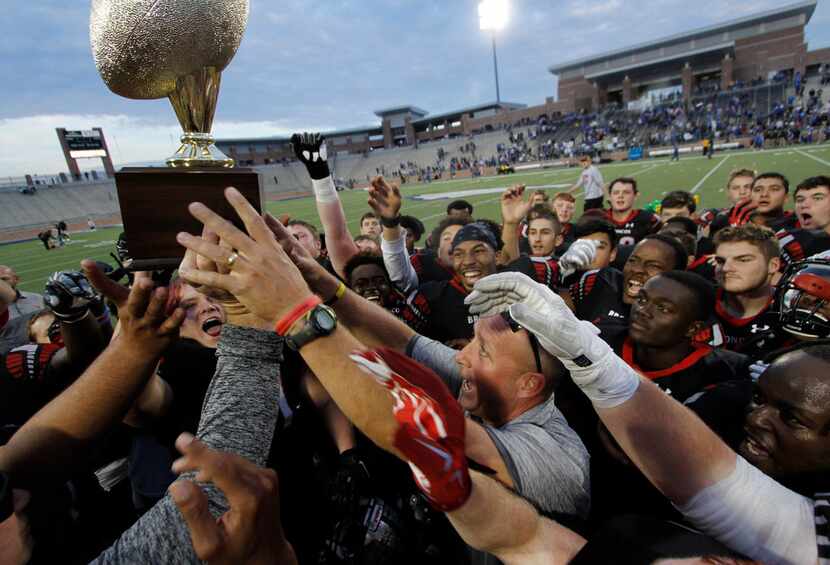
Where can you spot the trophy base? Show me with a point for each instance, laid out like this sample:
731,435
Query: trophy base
154,202
198,151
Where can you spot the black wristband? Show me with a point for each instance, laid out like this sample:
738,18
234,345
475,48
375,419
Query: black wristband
393,223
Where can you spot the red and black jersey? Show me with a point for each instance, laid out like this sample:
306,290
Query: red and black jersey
702,368
437,310
597,297
787,221
26,382
797,245
544,270
567,238
429,268
737,331
708,216
703,266
637,225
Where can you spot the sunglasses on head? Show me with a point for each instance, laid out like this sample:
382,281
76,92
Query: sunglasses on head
534,342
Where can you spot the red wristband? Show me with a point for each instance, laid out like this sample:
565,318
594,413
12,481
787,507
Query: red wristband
298,312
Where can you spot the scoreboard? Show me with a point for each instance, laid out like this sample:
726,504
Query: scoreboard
84,143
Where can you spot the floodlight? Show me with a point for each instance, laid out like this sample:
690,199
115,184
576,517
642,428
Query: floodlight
493,14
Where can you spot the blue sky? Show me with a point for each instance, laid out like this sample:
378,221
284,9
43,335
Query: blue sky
321,65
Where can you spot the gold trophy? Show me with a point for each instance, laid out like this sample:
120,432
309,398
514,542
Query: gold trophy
175,49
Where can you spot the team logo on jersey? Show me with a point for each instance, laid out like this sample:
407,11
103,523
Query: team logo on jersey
759,328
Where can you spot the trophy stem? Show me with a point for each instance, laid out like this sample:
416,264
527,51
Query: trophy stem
194,101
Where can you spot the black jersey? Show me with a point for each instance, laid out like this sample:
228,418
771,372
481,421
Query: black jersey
597,297
702,368
567,238
737,332
26,382
429,268
786,221
797,245
437,310
635,227
544,270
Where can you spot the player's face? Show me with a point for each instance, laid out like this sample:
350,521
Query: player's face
370,226
787,429
204,317
813,208
622,197
742,267
490,366
659,315
445,244
370,282
8,275
769,195
564,210
542,237
472,261
462,213
739,189
682,212
367,246
306,239
410,242
39,331
605,253
648,259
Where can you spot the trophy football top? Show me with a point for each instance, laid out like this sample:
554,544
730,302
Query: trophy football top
142,47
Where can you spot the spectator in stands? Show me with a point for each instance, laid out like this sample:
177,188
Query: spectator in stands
677,203
460,209
370,225
592,183
307,235
748,260
367,244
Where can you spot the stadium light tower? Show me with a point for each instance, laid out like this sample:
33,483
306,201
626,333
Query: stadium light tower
492,17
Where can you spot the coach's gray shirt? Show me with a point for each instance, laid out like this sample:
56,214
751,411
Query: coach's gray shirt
547,461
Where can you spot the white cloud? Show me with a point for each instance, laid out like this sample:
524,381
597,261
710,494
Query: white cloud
30,145
592,9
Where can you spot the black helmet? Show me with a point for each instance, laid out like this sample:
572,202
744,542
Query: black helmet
802,299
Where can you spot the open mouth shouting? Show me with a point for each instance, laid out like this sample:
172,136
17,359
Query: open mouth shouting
212,326
633,287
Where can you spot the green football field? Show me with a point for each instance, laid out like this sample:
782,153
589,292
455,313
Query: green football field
655,177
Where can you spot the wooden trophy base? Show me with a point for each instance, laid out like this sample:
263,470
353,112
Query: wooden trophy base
154,204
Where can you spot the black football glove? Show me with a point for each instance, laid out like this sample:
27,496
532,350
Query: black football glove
69,295
350,481
310,148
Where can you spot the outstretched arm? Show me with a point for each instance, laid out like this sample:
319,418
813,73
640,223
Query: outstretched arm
310,149
513,210
385,200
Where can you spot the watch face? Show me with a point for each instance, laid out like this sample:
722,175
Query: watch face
324,320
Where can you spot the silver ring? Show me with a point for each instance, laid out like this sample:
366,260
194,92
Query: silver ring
232,259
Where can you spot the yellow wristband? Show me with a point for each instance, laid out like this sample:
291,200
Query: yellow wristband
338,294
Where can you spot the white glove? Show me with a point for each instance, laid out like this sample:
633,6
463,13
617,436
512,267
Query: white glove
578,257
594,367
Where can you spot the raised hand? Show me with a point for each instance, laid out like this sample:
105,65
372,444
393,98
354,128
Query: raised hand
251,530
69,295
144,324
578,257
310,149
513,206
260,274
385,199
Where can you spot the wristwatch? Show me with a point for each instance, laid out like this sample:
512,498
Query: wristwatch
320,322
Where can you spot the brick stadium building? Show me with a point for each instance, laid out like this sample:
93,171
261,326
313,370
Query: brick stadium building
738,51
745,49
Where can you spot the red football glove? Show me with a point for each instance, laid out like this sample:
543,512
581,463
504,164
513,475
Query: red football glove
431,425
741,212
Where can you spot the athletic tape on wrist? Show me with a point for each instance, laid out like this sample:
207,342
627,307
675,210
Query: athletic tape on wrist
608,382
324,190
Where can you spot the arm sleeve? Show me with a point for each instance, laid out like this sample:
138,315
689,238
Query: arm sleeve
397,262
437,357
754,515
239,416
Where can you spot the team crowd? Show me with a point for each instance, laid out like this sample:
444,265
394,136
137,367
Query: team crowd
615,386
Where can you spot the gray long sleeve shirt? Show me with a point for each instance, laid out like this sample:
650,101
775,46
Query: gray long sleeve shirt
239,416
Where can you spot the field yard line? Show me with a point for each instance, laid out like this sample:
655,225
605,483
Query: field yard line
709,174
814,158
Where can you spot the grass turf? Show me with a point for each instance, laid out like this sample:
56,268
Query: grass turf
655,177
